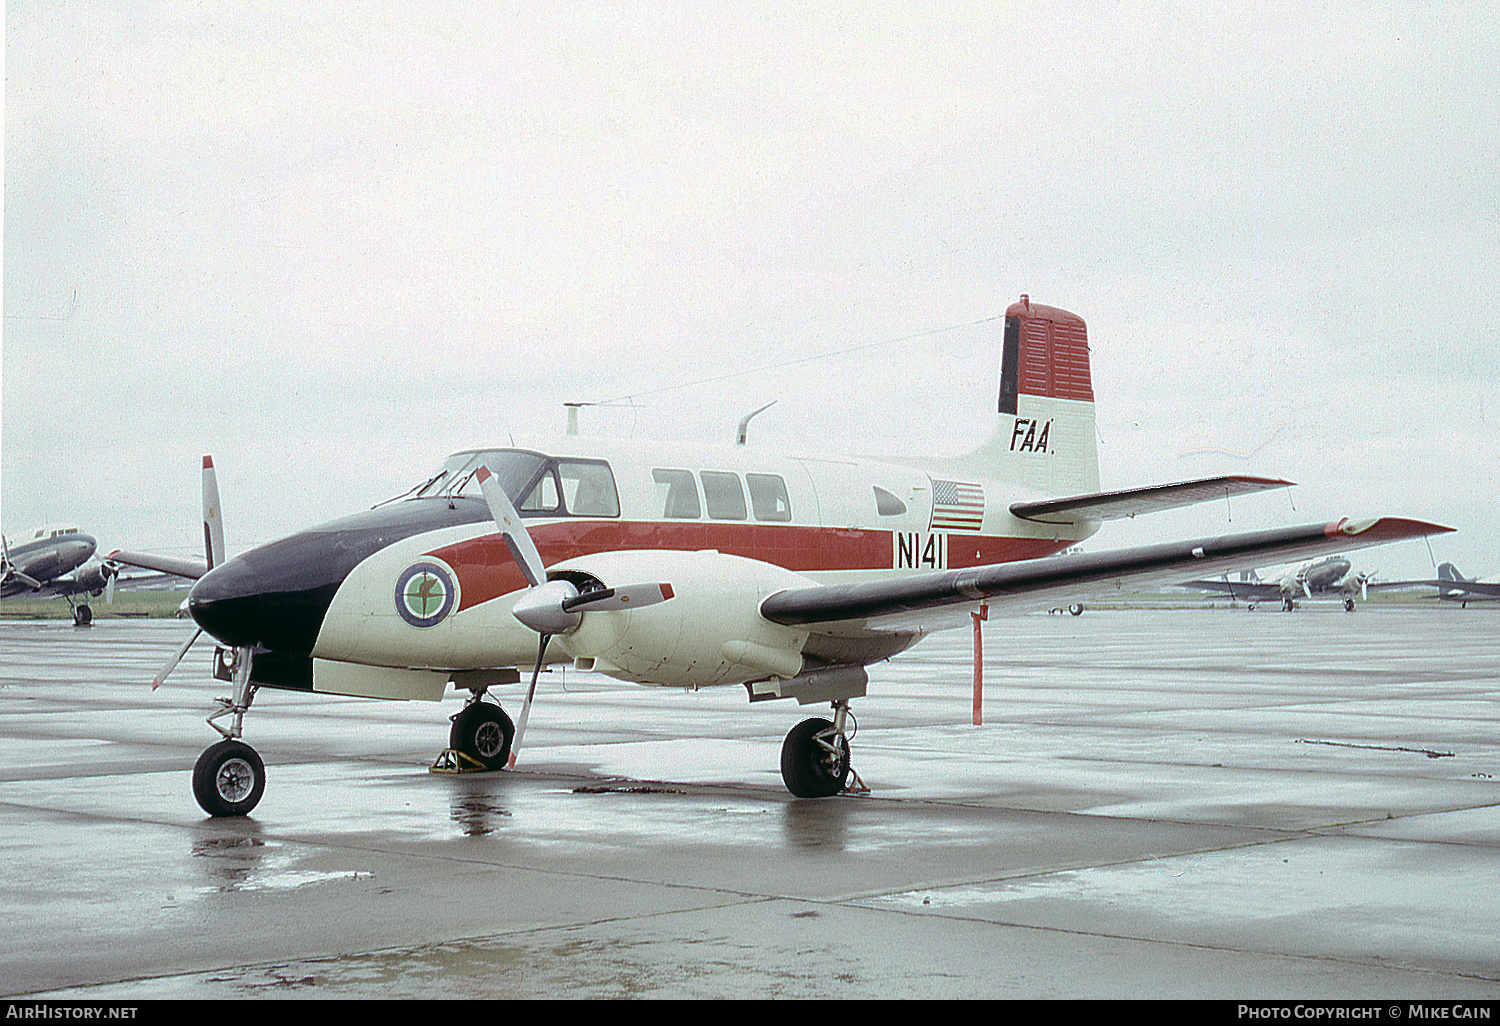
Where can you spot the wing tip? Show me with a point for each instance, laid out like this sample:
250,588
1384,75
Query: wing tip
1385,527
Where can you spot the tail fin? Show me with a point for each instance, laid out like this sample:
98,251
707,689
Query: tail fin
1044,437
1449,572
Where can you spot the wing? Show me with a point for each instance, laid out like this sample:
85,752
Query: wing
191,568
21,586
927,601
1237,589
1151,499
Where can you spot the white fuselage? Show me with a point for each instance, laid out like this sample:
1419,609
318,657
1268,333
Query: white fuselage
727,526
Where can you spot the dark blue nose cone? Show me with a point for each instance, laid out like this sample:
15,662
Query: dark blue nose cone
275,597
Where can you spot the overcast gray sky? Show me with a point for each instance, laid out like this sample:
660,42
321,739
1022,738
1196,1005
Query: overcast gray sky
329,244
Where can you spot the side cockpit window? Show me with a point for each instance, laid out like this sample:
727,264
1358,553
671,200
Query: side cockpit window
574,488
588,489
543,497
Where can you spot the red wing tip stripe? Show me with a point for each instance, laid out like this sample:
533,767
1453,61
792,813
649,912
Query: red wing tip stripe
1384,527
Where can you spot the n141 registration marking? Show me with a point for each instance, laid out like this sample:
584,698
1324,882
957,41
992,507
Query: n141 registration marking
919,550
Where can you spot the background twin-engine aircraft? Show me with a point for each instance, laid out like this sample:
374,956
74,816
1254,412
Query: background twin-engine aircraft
1334,577
697,566
56,560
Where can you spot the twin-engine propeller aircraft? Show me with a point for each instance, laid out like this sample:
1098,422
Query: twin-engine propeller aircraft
690,567
56,561
1334,577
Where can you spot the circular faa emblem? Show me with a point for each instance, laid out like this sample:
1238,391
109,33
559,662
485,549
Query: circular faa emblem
425,594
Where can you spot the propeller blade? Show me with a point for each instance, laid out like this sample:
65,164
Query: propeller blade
631,596
517,538
515,744
176,658
213,524
109,584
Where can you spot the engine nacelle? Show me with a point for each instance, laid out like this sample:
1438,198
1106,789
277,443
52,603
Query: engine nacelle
709,632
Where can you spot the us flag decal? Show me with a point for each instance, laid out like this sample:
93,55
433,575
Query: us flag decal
957,506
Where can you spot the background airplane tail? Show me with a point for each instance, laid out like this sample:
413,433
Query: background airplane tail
1449,572
1044,436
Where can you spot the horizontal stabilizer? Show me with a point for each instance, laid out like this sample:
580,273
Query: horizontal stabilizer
1490,589
192,568
1151,499
898,604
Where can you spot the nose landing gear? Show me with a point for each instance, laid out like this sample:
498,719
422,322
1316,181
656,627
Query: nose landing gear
230,777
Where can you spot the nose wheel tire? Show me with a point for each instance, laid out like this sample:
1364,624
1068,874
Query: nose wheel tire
815,760
484,733
229,779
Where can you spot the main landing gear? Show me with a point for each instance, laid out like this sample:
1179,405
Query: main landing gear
83,616
482,734
815,755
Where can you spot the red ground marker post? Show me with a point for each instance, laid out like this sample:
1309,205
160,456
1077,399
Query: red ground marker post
979,617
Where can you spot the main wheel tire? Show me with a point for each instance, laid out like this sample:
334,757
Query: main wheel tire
808,767
83,615
229,779
483,732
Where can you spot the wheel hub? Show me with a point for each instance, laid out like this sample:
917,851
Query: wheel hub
489,739
235,780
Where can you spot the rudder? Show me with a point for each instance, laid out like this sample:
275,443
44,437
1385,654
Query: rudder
1044,438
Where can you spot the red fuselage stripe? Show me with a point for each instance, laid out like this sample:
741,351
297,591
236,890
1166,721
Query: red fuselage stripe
486,571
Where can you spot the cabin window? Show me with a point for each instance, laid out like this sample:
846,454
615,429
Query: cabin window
678,494
725,497
887,505
588,489
768,497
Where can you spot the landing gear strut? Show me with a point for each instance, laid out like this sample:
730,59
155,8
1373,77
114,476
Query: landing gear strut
815,755
230,776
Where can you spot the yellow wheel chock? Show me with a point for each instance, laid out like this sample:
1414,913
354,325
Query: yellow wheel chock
451,760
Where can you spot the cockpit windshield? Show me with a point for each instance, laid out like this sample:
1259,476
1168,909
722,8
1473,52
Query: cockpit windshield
537,486
513,469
